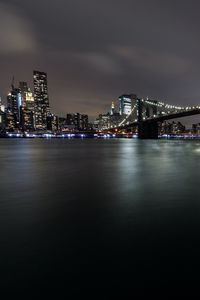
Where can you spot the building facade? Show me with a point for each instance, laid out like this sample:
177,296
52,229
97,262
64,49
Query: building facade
126,103
2,120
41,100
23,86
27,119
52,122
14,103
78,121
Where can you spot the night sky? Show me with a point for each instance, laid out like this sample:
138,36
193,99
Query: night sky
96,50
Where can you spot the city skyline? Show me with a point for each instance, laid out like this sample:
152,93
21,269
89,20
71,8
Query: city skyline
94,51
28,114
29,109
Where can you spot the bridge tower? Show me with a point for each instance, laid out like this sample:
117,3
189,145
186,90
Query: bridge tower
147,129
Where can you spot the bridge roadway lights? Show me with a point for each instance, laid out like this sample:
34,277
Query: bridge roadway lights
148,130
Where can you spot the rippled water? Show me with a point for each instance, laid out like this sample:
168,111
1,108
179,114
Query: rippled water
79,207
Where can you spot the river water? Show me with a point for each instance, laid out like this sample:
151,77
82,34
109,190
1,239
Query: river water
124,208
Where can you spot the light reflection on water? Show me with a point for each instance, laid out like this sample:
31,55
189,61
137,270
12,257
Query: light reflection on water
98,205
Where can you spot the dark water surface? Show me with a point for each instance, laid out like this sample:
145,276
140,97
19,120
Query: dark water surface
72,211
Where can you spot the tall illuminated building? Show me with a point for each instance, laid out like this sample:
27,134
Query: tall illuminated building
27,111
112,111
23,86
27,96
14,103
29,100
27,119
41,100
2,116
126,103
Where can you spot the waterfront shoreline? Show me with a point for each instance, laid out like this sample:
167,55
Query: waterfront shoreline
90,136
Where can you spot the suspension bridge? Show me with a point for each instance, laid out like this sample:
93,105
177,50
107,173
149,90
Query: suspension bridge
147,114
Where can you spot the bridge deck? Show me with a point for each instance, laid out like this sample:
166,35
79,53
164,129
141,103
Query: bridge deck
165,118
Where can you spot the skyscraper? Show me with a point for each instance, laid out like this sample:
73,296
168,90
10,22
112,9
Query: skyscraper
112,111
24,89
14,100
126,104
41,100
29,100
27,111
27,119
2,116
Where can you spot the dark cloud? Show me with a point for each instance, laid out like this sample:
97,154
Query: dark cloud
95,50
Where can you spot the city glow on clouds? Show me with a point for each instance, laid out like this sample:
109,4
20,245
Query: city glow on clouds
101,62
154,60
16,33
